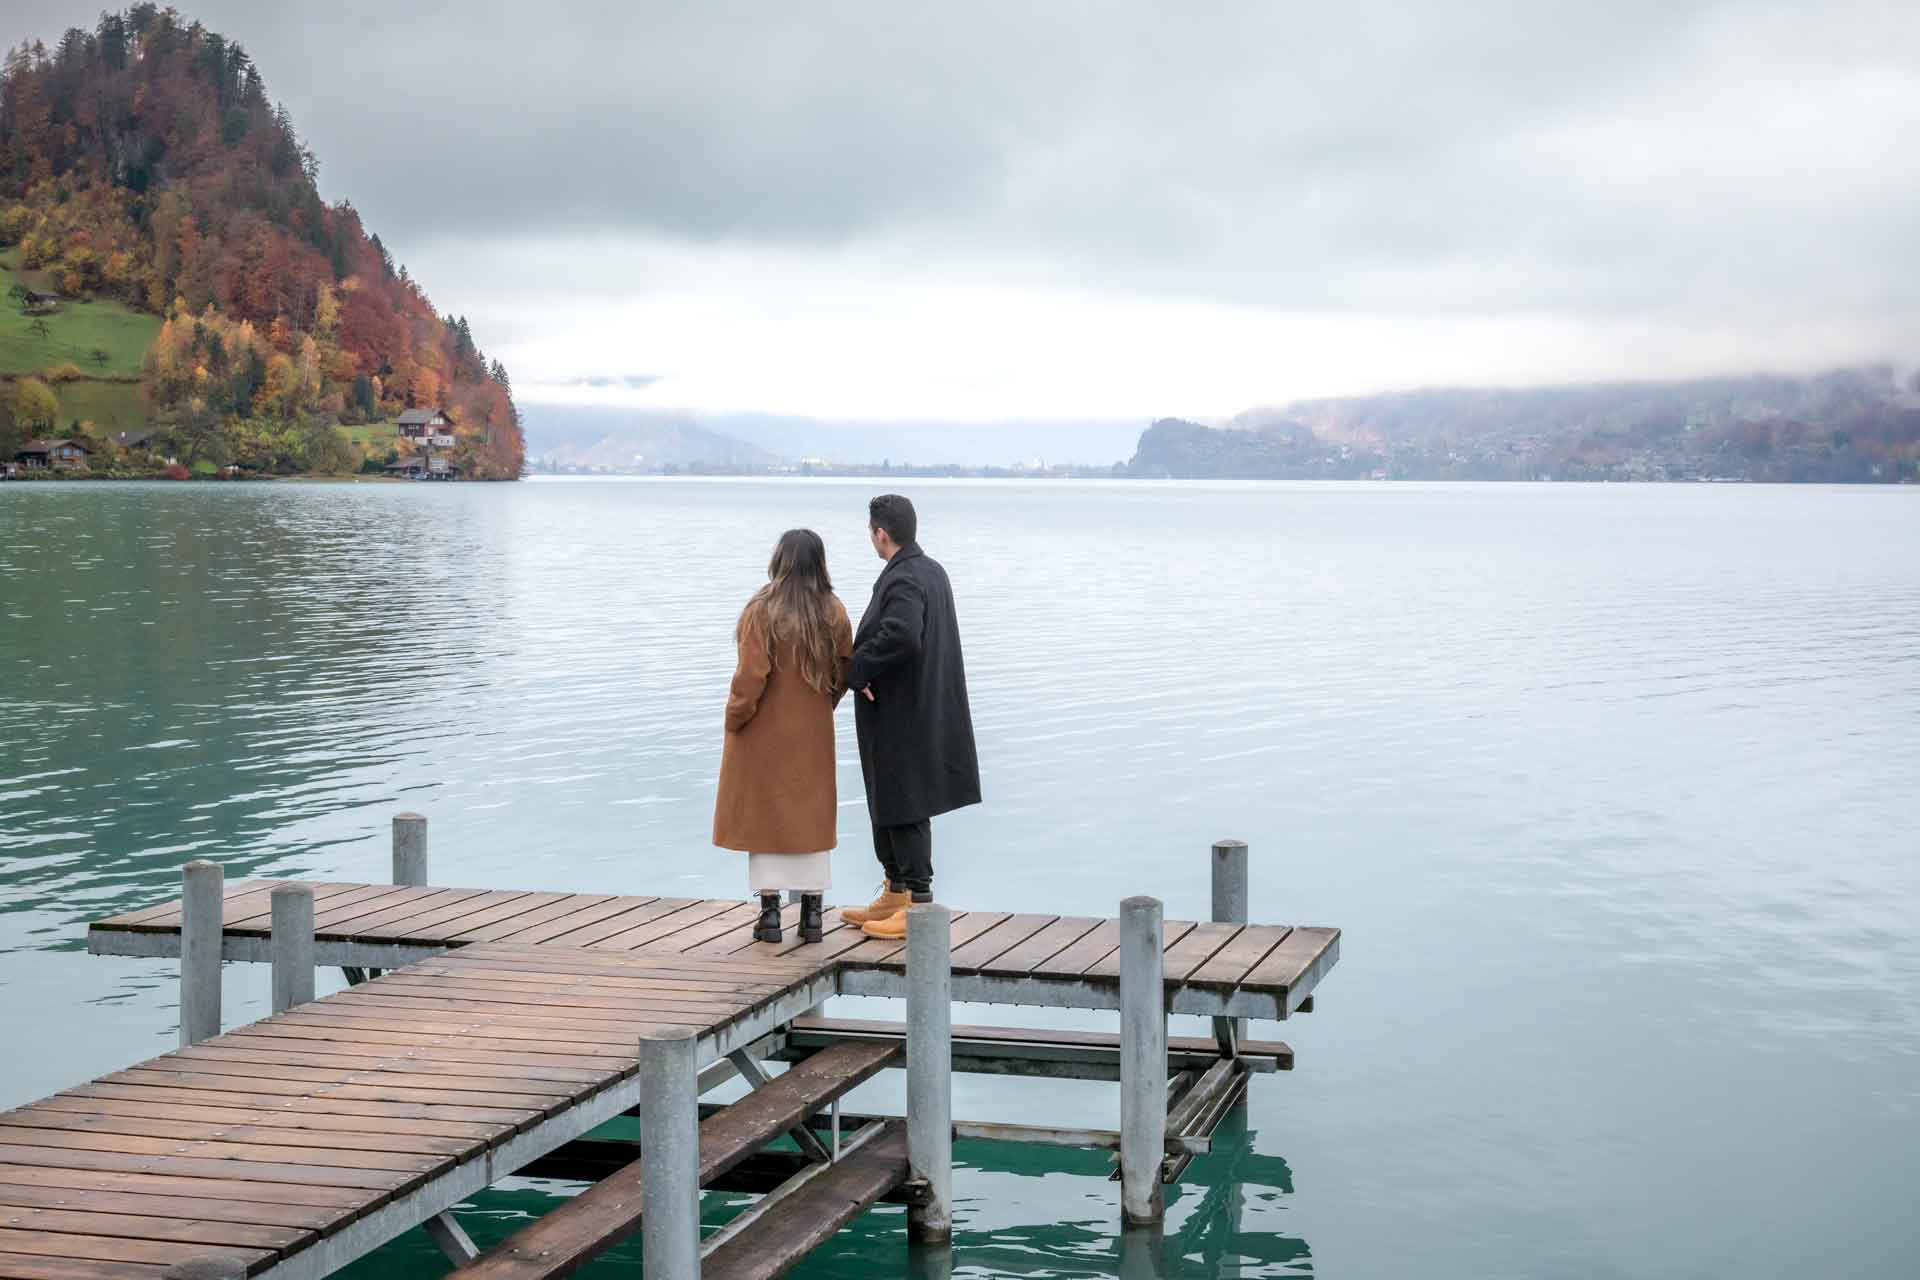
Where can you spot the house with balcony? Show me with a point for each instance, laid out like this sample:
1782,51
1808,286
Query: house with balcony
427,428
53,455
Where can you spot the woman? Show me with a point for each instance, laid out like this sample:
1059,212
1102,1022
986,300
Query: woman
778,800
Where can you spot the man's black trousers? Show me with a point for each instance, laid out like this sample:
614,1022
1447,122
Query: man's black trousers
906,854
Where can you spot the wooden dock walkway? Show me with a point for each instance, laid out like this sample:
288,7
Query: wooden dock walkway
1217,969
507,1025
293,1145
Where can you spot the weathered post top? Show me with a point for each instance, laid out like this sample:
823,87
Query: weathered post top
409,848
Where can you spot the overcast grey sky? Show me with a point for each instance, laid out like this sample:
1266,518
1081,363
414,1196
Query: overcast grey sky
1108,209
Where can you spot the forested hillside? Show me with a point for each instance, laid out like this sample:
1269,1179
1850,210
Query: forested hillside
148,181
1847,426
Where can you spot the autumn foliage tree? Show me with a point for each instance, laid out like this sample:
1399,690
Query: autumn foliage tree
144,161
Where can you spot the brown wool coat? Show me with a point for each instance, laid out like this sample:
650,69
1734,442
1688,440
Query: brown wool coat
778,791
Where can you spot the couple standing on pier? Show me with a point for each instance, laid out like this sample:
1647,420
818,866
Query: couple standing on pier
798,656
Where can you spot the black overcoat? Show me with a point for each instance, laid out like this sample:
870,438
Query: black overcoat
916,735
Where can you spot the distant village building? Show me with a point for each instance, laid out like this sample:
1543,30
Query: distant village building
56,455
428,427
131,439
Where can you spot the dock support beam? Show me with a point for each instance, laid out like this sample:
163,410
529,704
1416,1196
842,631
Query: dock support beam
1230,907
670,1154
292,945
409,848
201,911
930,1071
1143,1062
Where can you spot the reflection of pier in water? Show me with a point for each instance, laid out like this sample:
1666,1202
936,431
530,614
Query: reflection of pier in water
1207,1234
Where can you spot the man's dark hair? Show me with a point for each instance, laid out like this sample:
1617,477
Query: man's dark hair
895,514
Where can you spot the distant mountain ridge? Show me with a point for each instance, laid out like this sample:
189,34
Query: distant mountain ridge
1849,425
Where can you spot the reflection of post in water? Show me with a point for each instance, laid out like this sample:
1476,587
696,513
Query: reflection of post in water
1213,1239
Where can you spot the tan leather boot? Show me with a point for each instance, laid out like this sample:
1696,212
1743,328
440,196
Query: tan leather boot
887,904
891,928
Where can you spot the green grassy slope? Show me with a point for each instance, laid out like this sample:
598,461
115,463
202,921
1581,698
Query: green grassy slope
73,333
108,395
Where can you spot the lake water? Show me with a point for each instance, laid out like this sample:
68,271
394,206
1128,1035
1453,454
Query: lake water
1612,789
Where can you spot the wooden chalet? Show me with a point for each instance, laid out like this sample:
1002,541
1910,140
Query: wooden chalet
54,455
428,427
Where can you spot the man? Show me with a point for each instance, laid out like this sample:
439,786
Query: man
910,708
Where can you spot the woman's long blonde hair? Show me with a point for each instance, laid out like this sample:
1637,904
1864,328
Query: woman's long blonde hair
795,609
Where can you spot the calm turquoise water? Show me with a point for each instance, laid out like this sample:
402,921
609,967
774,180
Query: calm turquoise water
1612,789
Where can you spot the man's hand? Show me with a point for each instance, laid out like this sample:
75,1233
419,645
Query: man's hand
866,691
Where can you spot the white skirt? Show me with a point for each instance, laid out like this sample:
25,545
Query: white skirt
799,872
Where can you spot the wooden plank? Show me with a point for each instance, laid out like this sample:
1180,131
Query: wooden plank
537,1105
171,908
596,960
378,1184
289,1039
53,1244
358,901
269,1196
436,925
216,1217
530,1032
663,926
336,1158
533,1015
295,1121
539,926
398,909
572,1235
21,1266
385,1058
395,1080
185,1129
297,1101
610,1051
608,926
1199,946
561,994
260,919
736,916
746,1125
1284,965
1073,960
568,908
1021,960
1108,966
811,1215
1010,933
1277,1049
185,1229
711,978
1235,960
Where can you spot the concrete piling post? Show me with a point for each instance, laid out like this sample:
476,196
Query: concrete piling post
1230,881
1143,1061
1230,907
930,1071
670,1153
201,903
292,945
409,848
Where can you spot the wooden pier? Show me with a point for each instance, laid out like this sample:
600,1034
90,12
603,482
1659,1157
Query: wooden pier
508,1025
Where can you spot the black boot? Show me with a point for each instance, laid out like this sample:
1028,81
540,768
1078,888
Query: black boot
768,930
811,913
